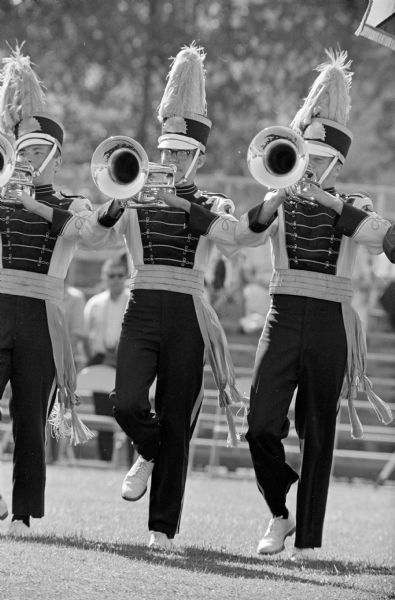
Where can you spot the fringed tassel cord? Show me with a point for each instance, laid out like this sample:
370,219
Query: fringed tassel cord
382,409
63,424
355,376
80,433
220,362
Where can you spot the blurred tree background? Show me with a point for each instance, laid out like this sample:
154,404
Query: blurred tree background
104,65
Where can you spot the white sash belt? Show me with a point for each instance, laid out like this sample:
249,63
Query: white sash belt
312,284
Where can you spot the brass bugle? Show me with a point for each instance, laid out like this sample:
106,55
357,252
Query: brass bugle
120,169
15,175
277,157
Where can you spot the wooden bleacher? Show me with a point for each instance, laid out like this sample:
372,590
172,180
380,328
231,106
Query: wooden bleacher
365,458
373,457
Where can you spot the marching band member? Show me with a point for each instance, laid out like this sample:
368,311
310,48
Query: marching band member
312,340
168,324
35,354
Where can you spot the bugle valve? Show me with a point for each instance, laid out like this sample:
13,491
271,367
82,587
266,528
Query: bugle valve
15,175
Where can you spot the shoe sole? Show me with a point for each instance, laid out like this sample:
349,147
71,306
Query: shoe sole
24,533
299,559
133,499
158,546
263,551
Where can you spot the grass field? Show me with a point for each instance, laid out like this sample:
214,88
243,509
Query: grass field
92,545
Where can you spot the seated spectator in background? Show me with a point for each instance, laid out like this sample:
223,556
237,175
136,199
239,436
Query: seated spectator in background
103,317
217,284
256,301
224,286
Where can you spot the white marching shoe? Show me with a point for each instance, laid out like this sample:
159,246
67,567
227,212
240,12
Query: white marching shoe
135,483
3,509
160,541
300,554
278,530
18,529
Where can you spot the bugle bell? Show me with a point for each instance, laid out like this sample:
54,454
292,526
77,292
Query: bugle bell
15,176
277,157
121,170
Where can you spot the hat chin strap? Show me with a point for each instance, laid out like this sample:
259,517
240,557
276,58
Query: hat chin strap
328,169
46,161
190,168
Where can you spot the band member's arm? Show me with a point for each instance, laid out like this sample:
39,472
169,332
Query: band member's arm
359,222
44,211
252,229
62,220
80,223
102,227
325,199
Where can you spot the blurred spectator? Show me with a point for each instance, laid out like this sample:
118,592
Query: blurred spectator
224,286
103,317
256,301
215,277
218,281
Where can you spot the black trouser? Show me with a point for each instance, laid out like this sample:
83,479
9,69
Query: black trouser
160,338
103,406
26,361
303,345
105,439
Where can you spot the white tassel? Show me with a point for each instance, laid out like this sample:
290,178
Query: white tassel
67,424
383,411
59,422
232,436
80,433
356,425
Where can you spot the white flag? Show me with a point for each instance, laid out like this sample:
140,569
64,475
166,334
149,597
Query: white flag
378,23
